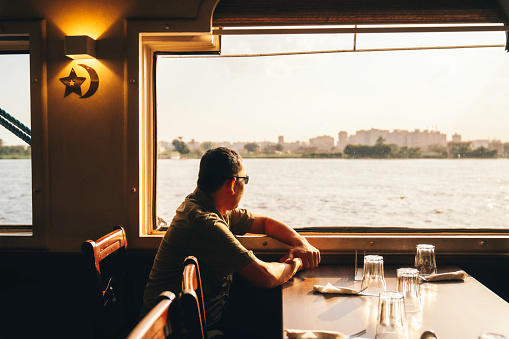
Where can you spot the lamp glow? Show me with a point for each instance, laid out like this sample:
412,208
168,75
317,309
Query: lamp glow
80,47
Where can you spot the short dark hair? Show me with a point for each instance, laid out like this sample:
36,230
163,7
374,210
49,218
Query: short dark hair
217,165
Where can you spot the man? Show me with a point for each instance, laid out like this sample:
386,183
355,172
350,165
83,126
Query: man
204,226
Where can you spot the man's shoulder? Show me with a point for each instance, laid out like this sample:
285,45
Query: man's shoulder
196,211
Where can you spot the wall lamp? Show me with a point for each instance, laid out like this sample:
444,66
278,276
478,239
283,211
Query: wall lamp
79,47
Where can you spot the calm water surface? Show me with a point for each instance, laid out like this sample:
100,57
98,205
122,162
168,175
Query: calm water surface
472,193
328,192
15,192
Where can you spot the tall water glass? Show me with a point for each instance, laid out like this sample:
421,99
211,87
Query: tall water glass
373,279
425,259
408,284
391,321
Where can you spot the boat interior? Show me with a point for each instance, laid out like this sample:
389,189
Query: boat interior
92,154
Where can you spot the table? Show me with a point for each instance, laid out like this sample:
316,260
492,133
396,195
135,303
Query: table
454,310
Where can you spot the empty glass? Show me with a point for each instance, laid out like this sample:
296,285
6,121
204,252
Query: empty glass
391,321
373,280
425,259
491,336
408,284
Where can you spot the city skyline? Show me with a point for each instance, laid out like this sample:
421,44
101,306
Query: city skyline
274,139
422,140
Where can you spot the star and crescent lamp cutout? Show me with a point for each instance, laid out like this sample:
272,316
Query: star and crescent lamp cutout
73,82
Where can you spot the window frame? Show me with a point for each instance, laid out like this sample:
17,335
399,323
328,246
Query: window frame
144,40
340,241
32,236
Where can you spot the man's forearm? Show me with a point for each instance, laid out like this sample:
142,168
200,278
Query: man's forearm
301,248
270,274
282,272
282,232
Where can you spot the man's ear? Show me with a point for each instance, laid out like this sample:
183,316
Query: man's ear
231,186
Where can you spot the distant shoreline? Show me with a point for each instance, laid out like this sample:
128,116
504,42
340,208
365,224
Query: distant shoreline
301,156
15,157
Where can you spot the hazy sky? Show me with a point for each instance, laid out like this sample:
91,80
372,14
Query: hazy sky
14,93
462,91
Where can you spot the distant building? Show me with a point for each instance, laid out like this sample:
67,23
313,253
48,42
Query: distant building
456,138
289,147
425,139
480,143
496,145
370,137
293,146
342,141
239,145
163,146
422,139
322,143
373,135
398,137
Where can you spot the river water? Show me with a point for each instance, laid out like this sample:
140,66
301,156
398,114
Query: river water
445,193
15,192
470,193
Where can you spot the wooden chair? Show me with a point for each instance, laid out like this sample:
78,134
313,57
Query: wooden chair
157,323
110,286
191,300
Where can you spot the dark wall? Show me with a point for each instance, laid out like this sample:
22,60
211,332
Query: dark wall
47,295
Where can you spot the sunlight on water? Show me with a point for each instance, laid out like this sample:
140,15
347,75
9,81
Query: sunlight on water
338,192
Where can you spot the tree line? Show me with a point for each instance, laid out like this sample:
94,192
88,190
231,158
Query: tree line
14,152
388,151
383,151
378,151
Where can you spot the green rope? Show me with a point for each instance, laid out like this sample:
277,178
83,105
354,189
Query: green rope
15,122
15,126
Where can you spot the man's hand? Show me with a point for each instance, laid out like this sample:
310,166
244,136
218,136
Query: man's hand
309,255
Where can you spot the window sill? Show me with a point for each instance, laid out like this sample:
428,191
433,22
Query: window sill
16,230
486,242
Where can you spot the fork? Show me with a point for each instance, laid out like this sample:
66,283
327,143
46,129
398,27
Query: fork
358,334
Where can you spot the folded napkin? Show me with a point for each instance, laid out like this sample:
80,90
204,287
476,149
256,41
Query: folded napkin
329,288
458,275
303,334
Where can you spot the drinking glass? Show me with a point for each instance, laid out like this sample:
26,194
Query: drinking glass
425,259
391,321
491,336
408,284
373,279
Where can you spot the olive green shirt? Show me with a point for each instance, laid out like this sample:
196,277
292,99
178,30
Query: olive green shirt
198,229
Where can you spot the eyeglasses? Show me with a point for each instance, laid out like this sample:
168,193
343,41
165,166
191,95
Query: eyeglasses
246,178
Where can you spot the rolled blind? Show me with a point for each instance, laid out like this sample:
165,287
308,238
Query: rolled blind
231,13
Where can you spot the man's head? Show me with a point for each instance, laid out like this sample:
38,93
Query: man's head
217,165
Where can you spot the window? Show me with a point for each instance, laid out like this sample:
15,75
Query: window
15,124
23,96
293,115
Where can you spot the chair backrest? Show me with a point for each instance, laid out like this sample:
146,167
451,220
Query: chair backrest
157,323
111,291
191,299
98,250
